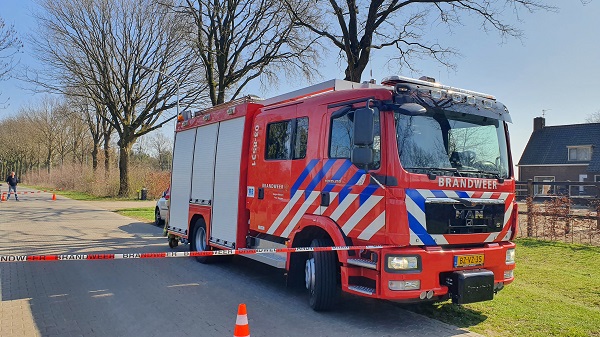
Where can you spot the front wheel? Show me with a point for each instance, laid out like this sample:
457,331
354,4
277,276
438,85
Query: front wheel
198,242
321,277
173,242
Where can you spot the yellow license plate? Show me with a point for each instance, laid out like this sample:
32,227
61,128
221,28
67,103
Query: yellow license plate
468,260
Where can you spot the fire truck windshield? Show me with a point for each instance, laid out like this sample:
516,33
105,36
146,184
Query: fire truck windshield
449,143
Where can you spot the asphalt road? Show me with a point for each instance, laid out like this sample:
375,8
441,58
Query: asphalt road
157,297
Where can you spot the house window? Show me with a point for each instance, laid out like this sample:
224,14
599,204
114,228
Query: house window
287,139
580,153
542,189
597,178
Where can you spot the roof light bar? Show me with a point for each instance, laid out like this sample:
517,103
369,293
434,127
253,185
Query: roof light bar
391,80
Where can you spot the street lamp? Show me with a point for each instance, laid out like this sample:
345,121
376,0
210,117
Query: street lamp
169,77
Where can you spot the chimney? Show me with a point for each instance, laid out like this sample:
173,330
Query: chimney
539,123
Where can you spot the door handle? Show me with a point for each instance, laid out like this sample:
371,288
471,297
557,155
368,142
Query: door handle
325,199
261,193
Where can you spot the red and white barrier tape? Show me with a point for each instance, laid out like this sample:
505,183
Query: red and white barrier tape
30,192
28,258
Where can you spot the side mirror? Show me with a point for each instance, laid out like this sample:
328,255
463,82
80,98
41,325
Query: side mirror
362,156
364,134
364,126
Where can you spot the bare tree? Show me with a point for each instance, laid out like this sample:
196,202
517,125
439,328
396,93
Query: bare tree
163,148
594,117
15,151
107,47
91,113
237,41
46,123
10,44
357,27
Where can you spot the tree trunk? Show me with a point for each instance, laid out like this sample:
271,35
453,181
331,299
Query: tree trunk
355,69
124,151
49,161
106,153
95,156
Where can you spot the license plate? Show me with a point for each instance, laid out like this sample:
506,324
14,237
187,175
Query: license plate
468,260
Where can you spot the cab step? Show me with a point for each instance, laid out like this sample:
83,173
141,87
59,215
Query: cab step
363,263
363,290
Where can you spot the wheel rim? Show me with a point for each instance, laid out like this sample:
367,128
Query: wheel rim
157,215
309,274
200,239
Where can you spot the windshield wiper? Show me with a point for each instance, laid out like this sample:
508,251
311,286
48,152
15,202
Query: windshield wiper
493,174
430,170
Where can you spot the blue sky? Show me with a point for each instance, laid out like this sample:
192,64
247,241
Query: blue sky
556,66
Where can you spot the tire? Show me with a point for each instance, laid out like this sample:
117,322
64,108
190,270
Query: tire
320,275
158,221
198,242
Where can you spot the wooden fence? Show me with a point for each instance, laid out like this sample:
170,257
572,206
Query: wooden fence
561,210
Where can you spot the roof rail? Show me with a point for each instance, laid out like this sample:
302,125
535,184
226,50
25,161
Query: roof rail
313,90
237,101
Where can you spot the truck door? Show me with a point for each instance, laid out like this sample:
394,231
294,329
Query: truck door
278,155
351,196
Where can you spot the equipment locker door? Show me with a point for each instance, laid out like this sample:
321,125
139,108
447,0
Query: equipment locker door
225,206
181,180
204,164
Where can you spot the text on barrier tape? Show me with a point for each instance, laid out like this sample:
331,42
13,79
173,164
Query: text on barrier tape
27,258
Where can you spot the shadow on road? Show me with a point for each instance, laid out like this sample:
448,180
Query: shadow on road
160,297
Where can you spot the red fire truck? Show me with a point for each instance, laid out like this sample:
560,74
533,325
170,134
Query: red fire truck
419,171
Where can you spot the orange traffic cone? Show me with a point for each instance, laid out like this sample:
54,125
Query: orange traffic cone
241,323
3,197
53,196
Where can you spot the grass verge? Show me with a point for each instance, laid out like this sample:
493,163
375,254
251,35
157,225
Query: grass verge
145,214
556,292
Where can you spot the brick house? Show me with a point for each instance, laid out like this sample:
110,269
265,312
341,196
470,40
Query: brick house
562,153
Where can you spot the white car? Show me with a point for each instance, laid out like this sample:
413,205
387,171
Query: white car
162,207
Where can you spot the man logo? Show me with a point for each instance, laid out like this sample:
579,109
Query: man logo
469,216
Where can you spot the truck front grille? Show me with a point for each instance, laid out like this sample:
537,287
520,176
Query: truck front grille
456,218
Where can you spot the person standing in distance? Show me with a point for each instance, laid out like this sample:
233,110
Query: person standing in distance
12,181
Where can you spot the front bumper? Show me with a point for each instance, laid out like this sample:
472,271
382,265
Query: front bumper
435,270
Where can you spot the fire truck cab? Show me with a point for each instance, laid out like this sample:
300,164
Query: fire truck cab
421,169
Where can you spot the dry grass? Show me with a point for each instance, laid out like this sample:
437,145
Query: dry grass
82,178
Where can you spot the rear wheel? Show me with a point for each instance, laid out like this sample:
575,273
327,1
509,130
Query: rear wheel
158,221
320,276
198,242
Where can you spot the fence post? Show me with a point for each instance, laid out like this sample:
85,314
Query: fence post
598,216
529,207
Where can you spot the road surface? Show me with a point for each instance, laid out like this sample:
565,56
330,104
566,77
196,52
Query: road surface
157,297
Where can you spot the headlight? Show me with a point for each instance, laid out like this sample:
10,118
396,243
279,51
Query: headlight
403,262
510,256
